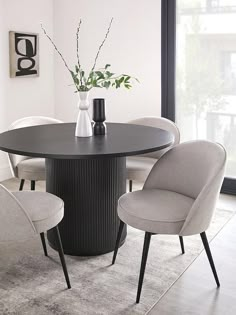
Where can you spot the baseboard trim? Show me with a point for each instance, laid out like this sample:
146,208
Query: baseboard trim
5,172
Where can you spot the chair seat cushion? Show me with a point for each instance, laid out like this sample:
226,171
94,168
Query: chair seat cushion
44,209
155,210
138,168
31,169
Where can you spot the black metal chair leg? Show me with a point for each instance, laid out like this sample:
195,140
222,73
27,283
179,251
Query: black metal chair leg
44,244
208,251
130,185
121,227
32,185
182,244
61,254
21,184
146,244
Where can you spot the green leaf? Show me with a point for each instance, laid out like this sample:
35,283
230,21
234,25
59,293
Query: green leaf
100,75
91,74
107,66
107,84
128,86
94,82
109,74
127,79
121,80
72,73
117,83
74,77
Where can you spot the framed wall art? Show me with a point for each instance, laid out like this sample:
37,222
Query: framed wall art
24,54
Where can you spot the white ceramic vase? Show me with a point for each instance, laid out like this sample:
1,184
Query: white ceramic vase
83,125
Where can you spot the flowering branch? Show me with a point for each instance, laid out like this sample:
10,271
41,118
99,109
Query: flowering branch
77,51
77,42
100,47
55,47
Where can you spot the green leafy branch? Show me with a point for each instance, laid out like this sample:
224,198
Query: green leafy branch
102,78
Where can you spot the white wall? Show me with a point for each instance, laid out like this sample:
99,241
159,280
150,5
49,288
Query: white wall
133,47
21,97
4,172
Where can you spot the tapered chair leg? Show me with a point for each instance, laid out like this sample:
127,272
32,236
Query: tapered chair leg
21,184
146,244
44,244
32,185
130,185
182,244
61,254
208,251
121,227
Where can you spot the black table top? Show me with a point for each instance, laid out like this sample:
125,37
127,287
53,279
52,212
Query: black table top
57,141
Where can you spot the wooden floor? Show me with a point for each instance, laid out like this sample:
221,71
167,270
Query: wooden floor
195,292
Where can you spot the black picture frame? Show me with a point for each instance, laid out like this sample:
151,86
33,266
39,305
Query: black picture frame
23,54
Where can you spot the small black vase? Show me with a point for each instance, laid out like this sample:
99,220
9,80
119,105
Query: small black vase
99,116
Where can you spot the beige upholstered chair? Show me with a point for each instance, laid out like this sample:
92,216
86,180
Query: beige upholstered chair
138,167
24,214
178,197
27,168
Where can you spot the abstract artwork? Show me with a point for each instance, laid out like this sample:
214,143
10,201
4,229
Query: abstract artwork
24,54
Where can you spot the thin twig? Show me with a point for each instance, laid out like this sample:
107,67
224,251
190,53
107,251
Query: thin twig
100,47
59,53
77,42
77,51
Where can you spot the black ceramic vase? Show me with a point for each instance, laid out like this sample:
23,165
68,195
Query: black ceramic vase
99,116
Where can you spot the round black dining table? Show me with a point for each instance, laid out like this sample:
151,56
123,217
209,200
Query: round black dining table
89,174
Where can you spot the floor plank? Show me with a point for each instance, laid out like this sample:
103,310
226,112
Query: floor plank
195,292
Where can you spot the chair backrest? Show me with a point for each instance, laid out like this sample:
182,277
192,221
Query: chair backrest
162,123
27,122
15,223
194,169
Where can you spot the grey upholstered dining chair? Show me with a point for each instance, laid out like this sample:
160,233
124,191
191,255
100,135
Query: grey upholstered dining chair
178,197
138,167
27,168
24,214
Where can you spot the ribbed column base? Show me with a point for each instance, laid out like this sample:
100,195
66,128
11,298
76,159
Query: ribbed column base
90,190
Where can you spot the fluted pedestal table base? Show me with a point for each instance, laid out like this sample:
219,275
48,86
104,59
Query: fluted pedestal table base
90,189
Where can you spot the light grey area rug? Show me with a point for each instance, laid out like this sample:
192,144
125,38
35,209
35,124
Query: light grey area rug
33,284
